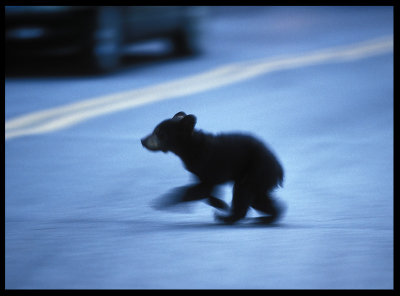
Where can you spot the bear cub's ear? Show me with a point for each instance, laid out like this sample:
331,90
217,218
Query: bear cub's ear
188,122
179,115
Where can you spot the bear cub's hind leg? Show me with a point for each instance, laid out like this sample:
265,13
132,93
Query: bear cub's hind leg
266,204
242,197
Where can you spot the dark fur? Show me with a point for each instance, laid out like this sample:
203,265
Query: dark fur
217,159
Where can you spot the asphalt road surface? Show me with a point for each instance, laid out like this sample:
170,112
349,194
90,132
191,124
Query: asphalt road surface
316,84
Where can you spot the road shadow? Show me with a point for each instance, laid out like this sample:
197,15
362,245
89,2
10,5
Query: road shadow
70,66
146,225
221,226
160,226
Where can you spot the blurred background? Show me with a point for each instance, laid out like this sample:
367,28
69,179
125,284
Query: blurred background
84,84
95,38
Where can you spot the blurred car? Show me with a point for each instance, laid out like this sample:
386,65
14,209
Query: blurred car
97,33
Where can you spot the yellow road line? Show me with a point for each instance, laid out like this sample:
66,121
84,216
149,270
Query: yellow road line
68,115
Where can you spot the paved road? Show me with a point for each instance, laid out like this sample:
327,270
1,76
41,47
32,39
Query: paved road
316,84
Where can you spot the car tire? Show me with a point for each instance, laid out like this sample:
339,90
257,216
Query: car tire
186,40
104,51
183,43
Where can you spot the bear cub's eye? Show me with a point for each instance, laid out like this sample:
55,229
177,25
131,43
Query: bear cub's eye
160,134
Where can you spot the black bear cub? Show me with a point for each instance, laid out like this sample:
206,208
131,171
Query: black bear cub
217,159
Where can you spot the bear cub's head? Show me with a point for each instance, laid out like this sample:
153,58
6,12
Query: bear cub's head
170,134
